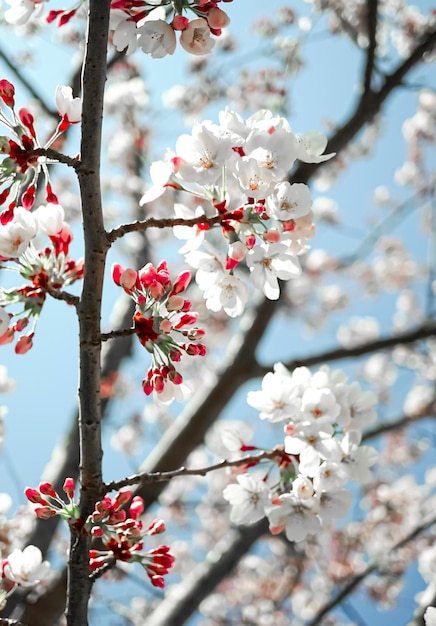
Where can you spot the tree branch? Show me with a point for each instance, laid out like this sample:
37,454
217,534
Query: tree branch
89,309
153,222
157,477
426,330
356,580
371,8
56,156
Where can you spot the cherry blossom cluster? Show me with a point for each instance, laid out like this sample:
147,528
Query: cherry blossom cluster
323,416
22,167
239,169
148,25
47,271
153,26
123,537
22,568
50,503
164,324
117,527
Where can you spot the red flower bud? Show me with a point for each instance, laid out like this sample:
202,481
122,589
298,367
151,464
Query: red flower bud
47,490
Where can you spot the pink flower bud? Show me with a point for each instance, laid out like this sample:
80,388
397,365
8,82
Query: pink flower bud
272,236
28,197
122,498
96,531
180,22
47,490
136,507
175,377
187,319
218,18
175,303
128,279
24,344
34,496
165,326
181,282
156,527
117,516
27,120
117,270
44,512
157,581
251,241
7,92
50,196
69,487
175,355
158,384
21,324
147,387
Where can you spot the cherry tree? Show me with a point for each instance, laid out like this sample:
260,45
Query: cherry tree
201,250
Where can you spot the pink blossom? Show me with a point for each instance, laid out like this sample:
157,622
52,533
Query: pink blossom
196,38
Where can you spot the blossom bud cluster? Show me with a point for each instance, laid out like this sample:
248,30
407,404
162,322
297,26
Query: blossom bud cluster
323,416
20,171
48,269
163,322
123,536
50,503
22,142
115,524
147,26
239,168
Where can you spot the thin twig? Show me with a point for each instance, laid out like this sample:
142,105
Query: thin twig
425,331
67,297
148,478
54,155
153,222
116,334
356,580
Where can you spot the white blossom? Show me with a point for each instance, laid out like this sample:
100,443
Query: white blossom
202,155
310,147
296,517
289,201
50,218
26,568
68,107
229,294
20,11
270,262
357,459
277,401
157,38
248,499
16,235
